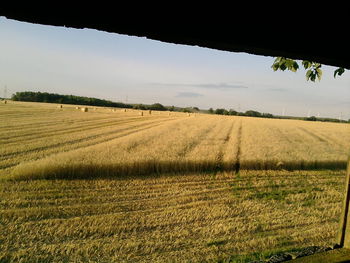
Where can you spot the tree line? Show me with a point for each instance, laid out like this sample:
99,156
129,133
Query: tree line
65,99
249,113
252,113
79,100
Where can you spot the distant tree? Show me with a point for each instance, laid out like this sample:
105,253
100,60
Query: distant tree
157,106
211,111
252,113
312,118
195,108
140,107
188,110
232,112
267,115
220,111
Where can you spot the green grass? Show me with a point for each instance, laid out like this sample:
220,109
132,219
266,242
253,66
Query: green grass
277,194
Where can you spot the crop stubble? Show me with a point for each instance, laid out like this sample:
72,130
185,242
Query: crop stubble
163,188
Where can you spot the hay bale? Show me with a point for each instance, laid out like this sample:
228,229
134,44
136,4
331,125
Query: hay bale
84,109
141,113
5,101
189,114
77,108
123,110
60,106
279,165
149,112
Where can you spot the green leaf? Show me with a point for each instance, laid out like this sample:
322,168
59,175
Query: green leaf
290,64
275,66
317,65
278,59
318,72
295,66
339,72
307,64
308,74
311,74
283,66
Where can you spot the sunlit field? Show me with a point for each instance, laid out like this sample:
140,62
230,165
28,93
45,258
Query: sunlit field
113,185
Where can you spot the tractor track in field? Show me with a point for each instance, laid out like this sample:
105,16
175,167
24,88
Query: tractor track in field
320,138
194,143
313,135
238,152
220,156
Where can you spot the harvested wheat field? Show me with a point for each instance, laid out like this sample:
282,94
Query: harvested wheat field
108,185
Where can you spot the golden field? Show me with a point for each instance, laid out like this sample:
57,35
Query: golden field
114,186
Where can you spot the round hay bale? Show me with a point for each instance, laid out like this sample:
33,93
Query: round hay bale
5,101
141,113
84,109
150,112
77,108
60,106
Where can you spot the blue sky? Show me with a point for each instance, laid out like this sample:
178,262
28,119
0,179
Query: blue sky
93,63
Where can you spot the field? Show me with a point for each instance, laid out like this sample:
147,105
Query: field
114,186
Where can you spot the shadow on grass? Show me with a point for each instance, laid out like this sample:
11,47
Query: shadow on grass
158,167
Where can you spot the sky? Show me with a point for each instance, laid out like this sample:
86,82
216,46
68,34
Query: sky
130,69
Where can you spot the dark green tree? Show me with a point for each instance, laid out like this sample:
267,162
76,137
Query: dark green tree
232,112
157,106
222,112
252,113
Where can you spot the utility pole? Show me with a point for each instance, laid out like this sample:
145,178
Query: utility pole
5,92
